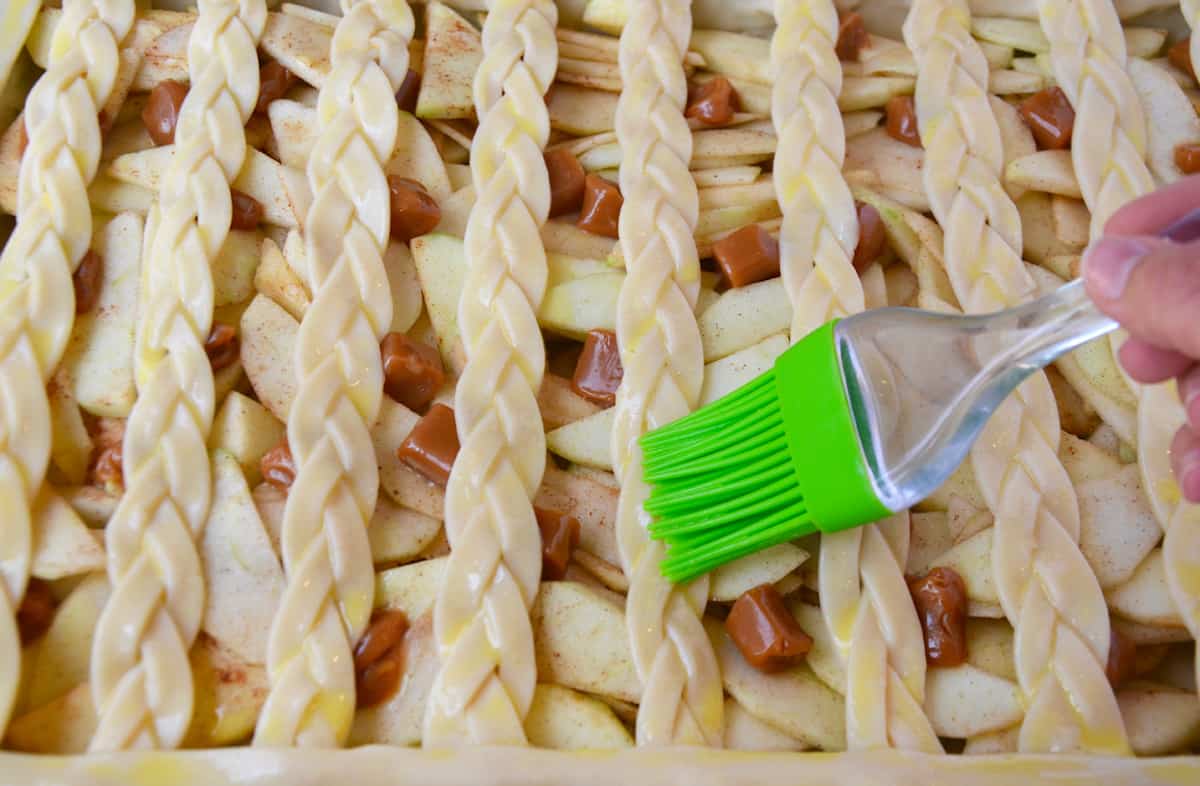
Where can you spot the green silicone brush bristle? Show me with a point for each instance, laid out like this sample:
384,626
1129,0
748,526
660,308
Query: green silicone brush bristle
731,479
723,485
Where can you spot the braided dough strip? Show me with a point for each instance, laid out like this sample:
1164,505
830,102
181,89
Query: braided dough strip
1160,415
862,581
1047,589
37,300
326,556
682,699
141,677
481,616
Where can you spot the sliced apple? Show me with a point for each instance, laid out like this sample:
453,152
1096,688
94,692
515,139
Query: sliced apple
276,279
416,156
300,44
580,110
591,502
733,371
441,268
1045,170
65,725
773,698
410,588
1160,720
64,656
581,641
404,284
972,560
743,317
1117,527
763,567
564,719
233,269
229,695
70,445
966,701
573,308
246,430
99,358
1170,119
268,335
1144,597
63,544
398,534
453,52
745,732
897,165
585,441
242,573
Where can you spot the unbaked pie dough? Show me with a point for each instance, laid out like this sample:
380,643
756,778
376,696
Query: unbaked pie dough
161,588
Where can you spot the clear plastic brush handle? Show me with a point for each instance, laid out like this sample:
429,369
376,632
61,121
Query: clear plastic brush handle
922,385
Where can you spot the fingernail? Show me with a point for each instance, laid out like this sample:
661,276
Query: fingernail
1110,261
1185,229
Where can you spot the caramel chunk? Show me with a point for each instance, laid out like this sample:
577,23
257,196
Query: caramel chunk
748,255
1180,55
247,211
1050,117
22,140
852,38
431,446
713,103
406,94
598,371
1122,658
1187,158
901,114
566,182
941,600
765,631
412,371
87,281
222,346
414,211
273,81
601,209
379,657
560,536
105,121
162,110
871,237
36,611
278,467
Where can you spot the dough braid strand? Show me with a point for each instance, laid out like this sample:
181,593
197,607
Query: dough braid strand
1047,589
481,616
862,579
37,304
141,676
664,368
326,555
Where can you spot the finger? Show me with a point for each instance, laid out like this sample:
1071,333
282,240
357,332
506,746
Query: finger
1150,286
1185,460
1148,364
1189,392
1152,213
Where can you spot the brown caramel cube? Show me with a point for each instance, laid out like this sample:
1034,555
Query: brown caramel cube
713,103
161,113
901,114
278,467
1180,55
601,211
871,237
748,255
765,631
414,211
1187,158
222,346
560,536
379,657
410,88
598,371
247,212
87,281
36,611
1050,117
430,448
852,38
567,180
1122,658
941,600
412,371
273,81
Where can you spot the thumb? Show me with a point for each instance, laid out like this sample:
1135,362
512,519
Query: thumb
1151,286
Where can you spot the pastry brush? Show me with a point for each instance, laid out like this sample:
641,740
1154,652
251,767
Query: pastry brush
864,417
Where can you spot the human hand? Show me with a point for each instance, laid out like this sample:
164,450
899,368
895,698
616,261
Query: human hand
1149,281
